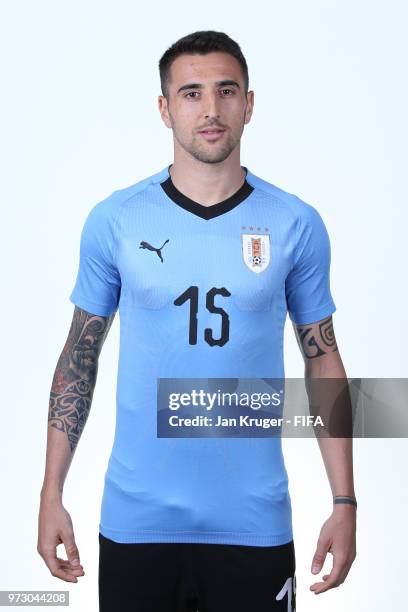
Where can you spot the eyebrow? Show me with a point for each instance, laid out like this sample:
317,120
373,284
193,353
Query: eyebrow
200,85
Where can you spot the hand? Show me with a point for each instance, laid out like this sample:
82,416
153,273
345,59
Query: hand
54,528
337,536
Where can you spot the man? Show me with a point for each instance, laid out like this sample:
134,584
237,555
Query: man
203,259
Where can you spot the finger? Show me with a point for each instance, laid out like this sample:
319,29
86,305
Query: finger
334,578
68,564
71,548
56,570
346,570
320,555
344,574
65,565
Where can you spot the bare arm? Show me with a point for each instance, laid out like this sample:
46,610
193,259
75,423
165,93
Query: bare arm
322,359
70,402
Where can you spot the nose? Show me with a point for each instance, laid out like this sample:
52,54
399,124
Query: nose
211,108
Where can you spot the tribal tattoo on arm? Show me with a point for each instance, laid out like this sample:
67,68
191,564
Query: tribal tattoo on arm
75,374
316,339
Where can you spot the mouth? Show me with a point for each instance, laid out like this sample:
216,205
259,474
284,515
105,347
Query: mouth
212,133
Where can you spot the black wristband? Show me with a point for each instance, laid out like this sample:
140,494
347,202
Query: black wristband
345,500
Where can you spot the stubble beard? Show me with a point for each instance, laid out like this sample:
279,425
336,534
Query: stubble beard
206,152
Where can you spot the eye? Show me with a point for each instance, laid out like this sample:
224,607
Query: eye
190,92
230,90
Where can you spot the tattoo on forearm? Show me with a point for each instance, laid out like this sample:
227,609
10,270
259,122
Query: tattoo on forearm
315,341
75,375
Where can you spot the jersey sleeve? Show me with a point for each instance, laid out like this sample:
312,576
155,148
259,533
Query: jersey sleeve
307,285
97,287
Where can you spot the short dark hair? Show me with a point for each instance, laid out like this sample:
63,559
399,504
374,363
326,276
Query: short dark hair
201,43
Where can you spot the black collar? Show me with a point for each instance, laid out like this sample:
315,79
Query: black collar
206,212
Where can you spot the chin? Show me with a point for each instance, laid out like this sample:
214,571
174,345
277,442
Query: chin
208,158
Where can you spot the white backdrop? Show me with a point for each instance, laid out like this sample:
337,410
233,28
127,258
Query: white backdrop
79,119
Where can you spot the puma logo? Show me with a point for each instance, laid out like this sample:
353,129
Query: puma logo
146,245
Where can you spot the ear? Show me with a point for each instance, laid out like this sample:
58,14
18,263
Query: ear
163,110
250,106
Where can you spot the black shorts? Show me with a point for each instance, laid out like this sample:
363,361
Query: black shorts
179,577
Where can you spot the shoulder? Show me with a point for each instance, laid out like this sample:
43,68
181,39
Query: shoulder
107,210
301,211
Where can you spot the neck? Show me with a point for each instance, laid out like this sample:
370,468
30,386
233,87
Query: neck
207,183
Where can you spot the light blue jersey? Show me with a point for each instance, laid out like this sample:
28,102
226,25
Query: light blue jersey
202,292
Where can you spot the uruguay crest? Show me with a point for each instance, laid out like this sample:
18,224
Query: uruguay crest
256,250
